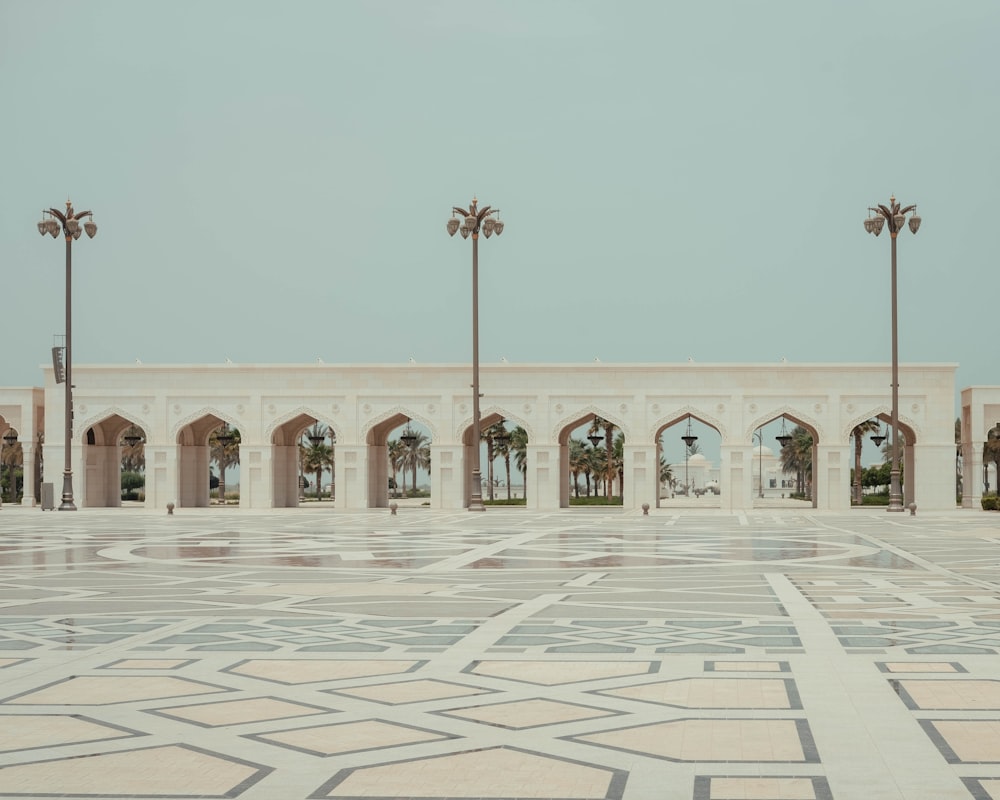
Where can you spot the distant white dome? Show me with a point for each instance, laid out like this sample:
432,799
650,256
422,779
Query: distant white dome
763,450
697,458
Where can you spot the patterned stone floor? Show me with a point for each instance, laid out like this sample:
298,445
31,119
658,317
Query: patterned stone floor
584,655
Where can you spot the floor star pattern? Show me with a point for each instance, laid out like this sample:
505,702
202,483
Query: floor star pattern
581,655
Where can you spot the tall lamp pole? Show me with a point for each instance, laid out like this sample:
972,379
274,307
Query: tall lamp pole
760,462
895,216
69,223
474,220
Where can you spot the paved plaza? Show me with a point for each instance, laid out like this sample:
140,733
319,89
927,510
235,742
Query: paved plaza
581,654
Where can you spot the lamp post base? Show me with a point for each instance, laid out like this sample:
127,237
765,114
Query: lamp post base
67,493
476,498
895,493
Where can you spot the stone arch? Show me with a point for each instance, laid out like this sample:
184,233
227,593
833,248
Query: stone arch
568,422
302,411
465,426
99,436
810,424
207,411
667,420
488,415
375,436
281,436
909,432
884,414
561,434
678,416
790,413
107,413
377,424
191,435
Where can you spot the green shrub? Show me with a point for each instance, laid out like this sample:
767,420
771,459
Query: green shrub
991,502
595,501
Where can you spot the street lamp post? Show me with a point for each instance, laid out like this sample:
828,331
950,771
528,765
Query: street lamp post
895,216
760,462
474,220
689,439
69,223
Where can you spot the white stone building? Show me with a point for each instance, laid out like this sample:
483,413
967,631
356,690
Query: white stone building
178,406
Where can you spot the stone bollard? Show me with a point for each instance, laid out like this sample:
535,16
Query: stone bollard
170,508
645,509
392,509
913,509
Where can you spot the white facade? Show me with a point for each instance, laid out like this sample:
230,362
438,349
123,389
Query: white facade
980,414
177,407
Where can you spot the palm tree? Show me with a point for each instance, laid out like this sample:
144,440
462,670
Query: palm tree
395,450
519,446
958,457
225,453
796,457
416,455
609,464
133,446
991,452
318,457
489,435
13,457
869,426
666,473
578,464
619,464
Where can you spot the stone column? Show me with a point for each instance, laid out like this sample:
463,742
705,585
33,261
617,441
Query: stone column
832,476
736,477
542,484
642,476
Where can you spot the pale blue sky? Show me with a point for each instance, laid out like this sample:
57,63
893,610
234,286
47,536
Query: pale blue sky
272,180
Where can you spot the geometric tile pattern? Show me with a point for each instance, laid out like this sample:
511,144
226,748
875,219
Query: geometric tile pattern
167,771
712,740
520,714
966,741
350,737
499,772
714,693
578,654
28,731
761,788
956,694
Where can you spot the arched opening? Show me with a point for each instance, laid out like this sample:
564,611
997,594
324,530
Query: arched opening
797,456
399,462
991,462
303,461
689,455
503,459
114,462
778,476
11,464
591,461
874,452
208,462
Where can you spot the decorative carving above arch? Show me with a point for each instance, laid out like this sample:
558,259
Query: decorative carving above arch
681,413
280,420
107,413
910,428
793,414
378,419
206,411
489,411
568,419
